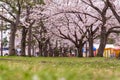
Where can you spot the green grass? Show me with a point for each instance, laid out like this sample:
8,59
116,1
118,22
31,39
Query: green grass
41,68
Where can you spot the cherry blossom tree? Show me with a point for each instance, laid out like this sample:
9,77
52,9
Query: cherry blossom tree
34,22
67,28
105,16
13,9
31,16
114,6
80,22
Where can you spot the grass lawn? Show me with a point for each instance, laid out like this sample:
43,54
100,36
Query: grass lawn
41,68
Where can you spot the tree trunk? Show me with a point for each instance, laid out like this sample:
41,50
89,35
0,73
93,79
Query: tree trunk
86,53
103,40
56,52
2,41
40,49
79,49
29,40
45,50
23,42
50,50
91,46
33,49
12,41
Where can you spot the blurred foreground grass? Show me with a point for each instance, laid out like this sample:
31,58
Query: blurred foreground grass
41,68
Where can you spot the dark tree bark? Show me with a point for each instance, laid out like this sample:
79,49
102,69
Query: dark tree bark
50,49
40,48
12,40
45,48
79,48
23,41
103,41
90,40
29,41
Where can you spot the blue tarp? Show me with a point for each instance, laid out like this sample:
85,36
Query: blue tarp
5,48
94,49
83,50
